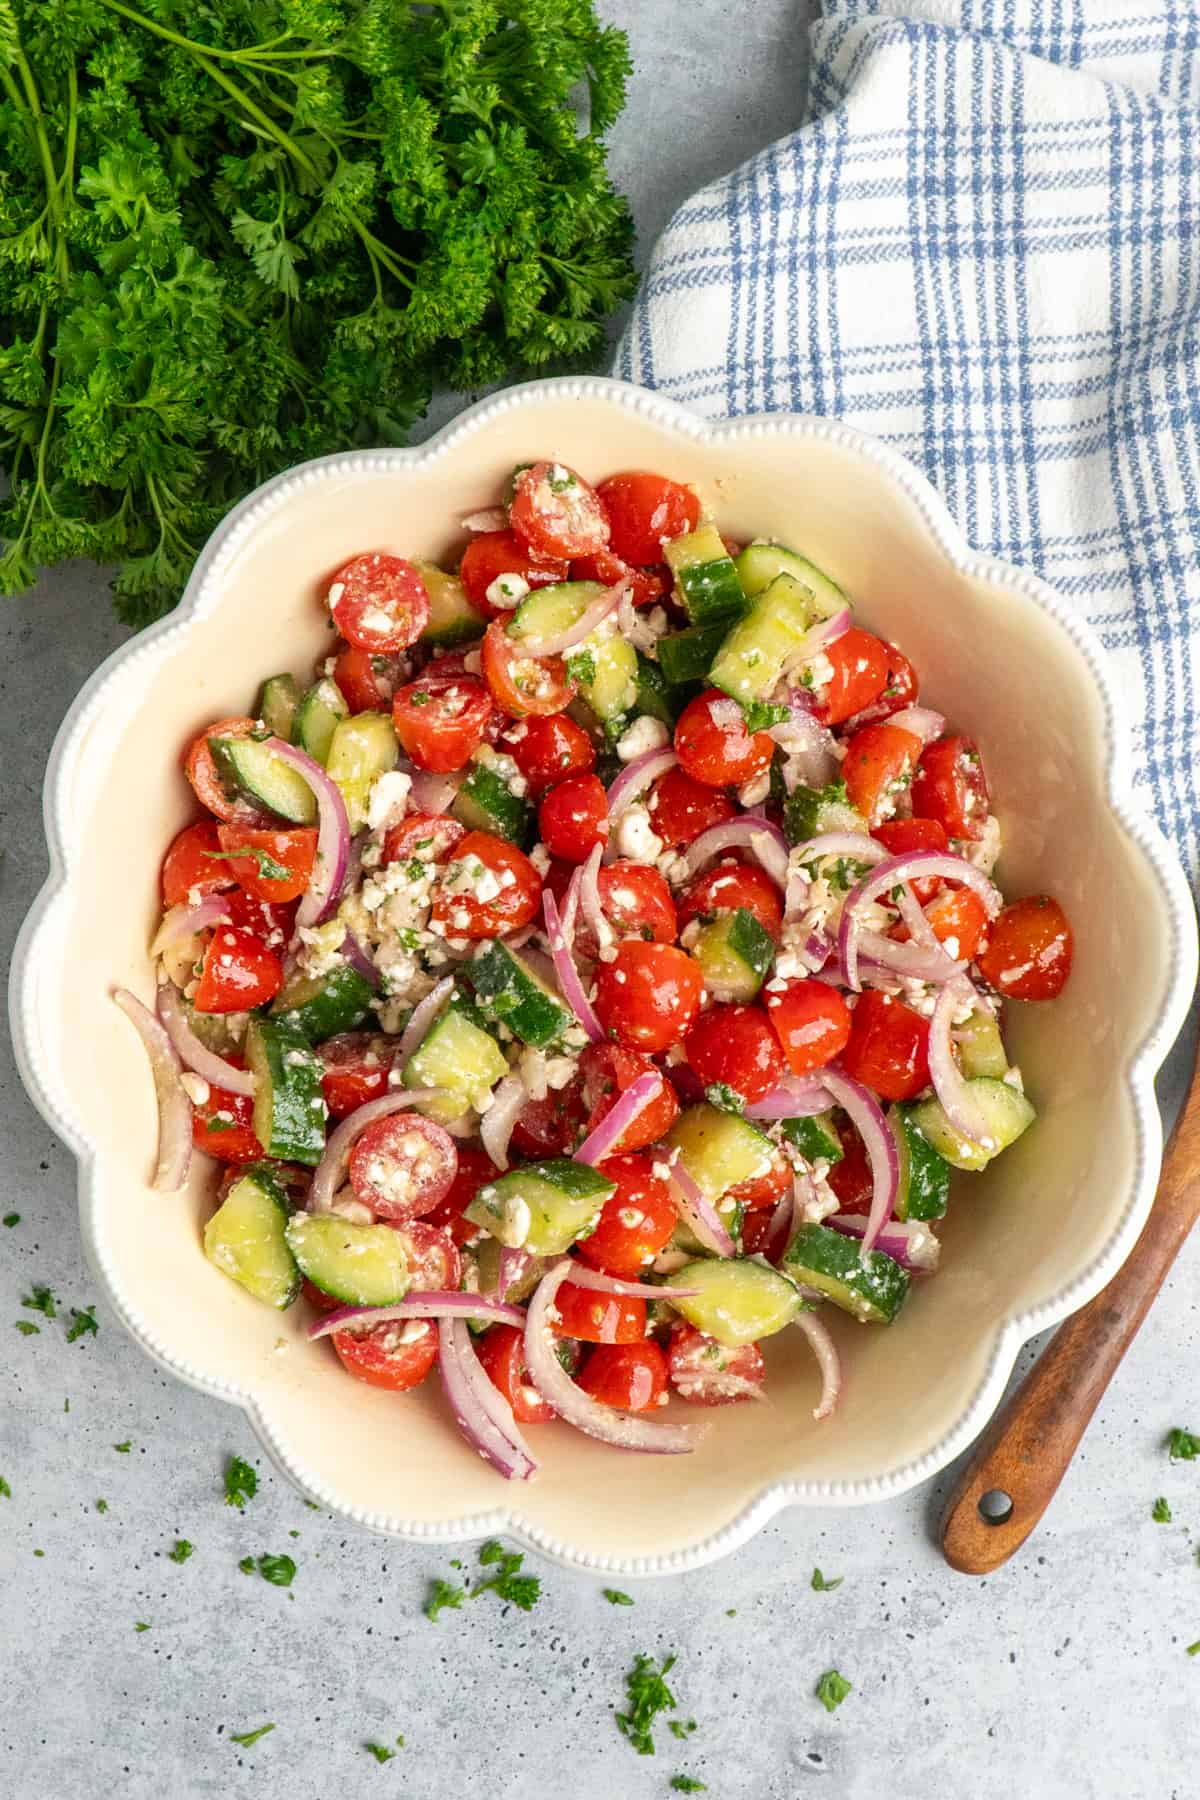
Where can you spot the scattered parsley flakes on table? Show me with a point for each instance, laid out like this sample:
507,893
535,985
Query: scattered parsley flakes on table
181,1552
649,1695
241,1483
821,1586
832,1689
1182,1445
246,1738
1160,1512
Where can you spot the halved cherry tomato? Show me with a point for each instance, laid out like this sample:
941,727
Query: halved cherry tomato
357,1066
902,835
635,1222
356,678
680,808
402,1165
851,1178
899,691
951,787
888,1048
422,837
598,1318
458,911
556,512
860,667
811,1021
238,973
636,901
731,885
548,749
713,745
553,1126
274,924
645,585
475,1170
648,995
223,1126
1030,950
644,511
209,789
764,1190
711,1374
573,818
397,1355
631,1376
379,602
434,1264
502,1353
523,684
188,869
293,851
606,1071
879,761
959,921
495,553
440,719
734,1047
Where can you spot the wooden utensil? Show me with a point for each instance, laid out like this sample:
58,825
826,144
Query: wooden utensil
1026,1450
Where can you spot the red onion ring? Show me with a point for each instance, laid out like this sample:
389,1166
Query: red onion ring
891,956
626,1108
793,1097
635,779
807,744
185,921
174,1107
513,1264
330,1172
585,624
625,1430
879,1144
818,637
360,962
908,1242
496,1124
699,1214
765,841
192,1053
854,844
913,915
333,836
423,1015
432,793
479,1418
442,1304
921,721
568,974
585,1277
891,873
782,1226
828,1361
488,518
949,1084
589,900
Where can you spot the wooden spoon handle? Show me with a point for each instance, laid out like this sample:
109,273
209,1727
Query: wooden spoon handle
1026,1450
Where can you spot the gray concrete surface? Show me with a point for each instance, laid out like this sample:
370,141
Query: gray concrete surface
1062,1678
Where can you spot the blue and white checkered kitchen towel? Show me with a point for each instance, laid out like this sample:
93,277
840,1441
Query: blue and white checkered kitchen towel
983,245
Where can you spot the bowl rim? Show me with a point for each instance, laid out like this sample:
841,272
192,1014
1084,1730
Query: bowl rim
1009,1333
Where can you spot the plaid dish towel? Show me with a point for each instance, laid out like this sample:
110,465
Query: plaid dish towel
983,245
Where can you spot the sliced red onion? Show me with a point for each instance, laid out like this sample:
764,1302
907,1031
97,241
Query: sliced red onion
628,1431
568,974
423,1015
759,836
186,921
914,961
585,624
949,1084
360,962
330,1172
625,1109
488,518
174,1107
635,779
921,721
806,743
794,1097
853,844
513,1265
432,793
908,1242
782,1227
880,1145
501,1444
442,1304
818,948
583,1276
818,637
333,836
589,899
496,1124
890,873
192,1053
699,1214
913,916
828,1361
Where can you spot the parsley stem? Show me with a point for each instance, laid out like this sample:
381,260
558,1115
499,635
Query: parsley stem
247,55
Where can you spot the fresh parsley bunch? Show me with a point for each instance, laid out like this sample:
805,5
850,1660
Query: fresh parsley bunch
238,233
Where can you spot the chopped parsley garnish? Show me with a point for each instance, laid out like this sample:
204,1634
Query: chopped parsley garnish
722,1096
11,1219
1194,1649
1182,1446
582,668
507,1583
821,1586
681,1728
82,1322
615,1597
761,714
832,1689
125,1448
5,1490
1160,1512
268,868
280,1571
415,870
246,1738
102,1506
443,1594
27,1329
42,1300
247,1565
687,1784
649,1695
381,1753
141,1625
216,1124
241,1483
182,1551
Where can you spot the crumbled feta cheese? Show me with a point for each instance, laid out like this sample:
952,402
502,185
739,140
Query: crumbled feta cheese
756,790
195,1087
643,735
539,856
320,947
504,768
635,837
982,852
388,799
507,591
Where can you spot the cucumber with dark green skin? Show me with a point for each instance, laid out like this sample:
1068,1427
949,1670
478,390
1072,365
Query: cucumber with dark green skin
485,802
980,1047
246,1238
705,577
1006,1112
719,1150
457,1054
363,1265
510,992
735,951
320,712
606,671
924,1190
686,656
361,749
452,618
816,1138
542,1206
289,1107
753,657
739,1300
321,1006
653,694
758,565
872,1292
277,705
249,766
810,811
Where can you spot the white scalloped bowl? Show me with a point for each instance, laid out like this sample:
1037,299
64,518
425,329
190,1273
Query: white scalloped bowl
1027,1243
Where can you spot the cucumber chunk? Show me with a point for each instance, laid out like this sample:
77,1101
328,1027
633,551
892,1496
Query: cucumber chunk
611,690
289,1107
980,1047
246,1239
739,1300
705,577
486,1255
364,1265
816,1138
277,705
320,712
360,749
758,565
223,1032
606,671
718,1149
452,618
509,991
251,766
484,802
653,694
457,1054
320,1006
734,951
924,1190
1007,1112
543,1206
821,1258
809,811
752,658
687,655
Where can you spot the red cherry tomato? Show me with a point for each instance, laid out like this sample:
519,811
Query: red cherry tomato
357,680
422,837
902,835
1030,950
553,1126
188,869
606,1071
811,1021
635,1222
402,1165
209,789
521,684
440,719
636,901
899,690
434,1264
648,995
713,745
851,1178
645,585
731,885
599,1318
502,1353
357,1066
711,1374
275,925
951,787
556,512
573,818
548,749
495,553
395,1356
764,1190
680,808
475,1170
631,1376
879,760
860,667
644,511
458,911
223,1126
238,973
734,1047
888,1048
294,851
379,602
959,921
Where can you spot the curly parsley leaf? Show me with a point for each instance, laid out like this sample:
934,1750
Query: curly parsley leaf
41,1300
1182,1446
443,1594
681,1728
832,1689
1160,1512
125,1448
241,1483
648,1695
181,1552
687,1784
246,1738
11,1219
141,1625
83,1322
1194,1649
381,1753
821,1586
102,1506
615,1597
27,1328
280,1571
5,1490
760,715
507,1583
247,1565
